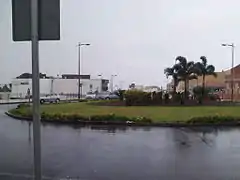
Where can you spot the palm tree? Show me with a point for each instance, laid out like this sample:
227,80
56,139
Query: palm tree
186,71
172,72
205,70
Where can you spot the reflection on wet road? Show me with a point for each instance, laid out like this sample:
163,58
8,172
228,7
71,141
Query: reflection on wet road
108,153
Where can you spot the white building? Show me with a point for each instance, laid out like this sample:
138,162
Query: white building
66,85
147,88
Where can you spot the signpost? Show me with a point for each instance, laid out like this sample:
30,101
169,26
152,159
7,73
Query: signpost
35,20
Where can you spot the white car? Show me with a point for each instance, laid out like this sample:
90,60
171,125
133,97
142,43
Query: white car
90,95
50,98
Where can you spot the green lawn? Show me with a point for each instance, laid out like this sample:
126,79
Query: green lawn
155,113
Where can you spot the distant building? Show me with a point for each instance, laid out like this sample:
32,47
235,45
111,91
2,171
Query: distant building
236,83
147,88
65,85
210,82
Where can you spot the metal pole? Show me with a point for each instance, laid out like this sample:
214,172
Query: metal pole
79,69
35,87
112,76
232,74
112,83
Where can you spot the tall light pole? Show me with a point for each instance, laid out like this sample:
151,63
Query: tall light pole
79,67
112,77
232,72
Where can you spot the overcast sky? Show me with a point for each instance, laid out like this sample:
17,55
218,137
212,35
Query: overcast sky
135,39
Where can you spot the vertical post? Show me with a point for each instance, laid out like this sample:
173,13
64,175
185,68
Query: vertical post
35,90
51,90
232,74
111,84
112,77
79,70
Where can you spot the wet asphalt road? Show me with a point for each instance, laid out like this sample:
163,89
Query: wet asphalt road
108,153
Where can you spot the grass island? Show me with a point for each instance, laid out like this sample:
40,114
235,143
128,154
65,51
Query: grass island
92,112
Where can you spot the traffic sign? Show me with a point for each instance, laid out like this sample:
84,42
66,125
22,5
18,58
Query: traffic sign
48,17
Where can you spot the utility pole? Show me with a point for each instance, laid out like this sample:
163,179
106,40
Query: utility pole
79,68
232,71
35,90
112,77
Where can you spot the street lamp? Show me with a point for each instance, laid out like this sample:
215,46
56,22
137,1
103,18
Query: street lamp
232,72
112,77
100,76
79,68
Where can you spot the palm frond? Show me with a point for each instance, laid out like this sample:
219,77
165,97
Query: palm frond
210,69
182,61
204,60
198,68
169,72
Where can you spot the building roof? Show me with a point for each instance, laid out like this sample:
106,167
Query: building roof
75,76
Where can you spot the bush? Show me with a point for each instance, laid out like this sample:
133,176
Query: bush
109,118
120,94
166,98
136,97
23,105
157,97
213,120
141,119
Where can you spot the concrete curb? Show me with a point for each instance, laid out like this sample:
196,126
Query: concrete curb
25,102
82,122
5,103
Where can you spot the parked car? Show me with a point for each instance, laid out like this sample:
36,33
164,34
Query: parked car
90,95
50,98
106,95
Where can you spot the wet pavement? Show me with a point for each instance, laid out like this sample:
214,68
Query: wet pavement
110,153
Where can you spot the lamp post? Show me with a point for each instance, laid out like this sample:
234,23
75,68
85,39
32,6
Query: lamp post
101,83
79,67
112,77
232,72
100,76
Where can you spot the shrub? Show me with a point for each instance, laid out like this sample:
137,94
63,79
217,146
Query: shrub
166,98
23,105
136,97
157,97
141,119
102,117
197,91
213,120
120,93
